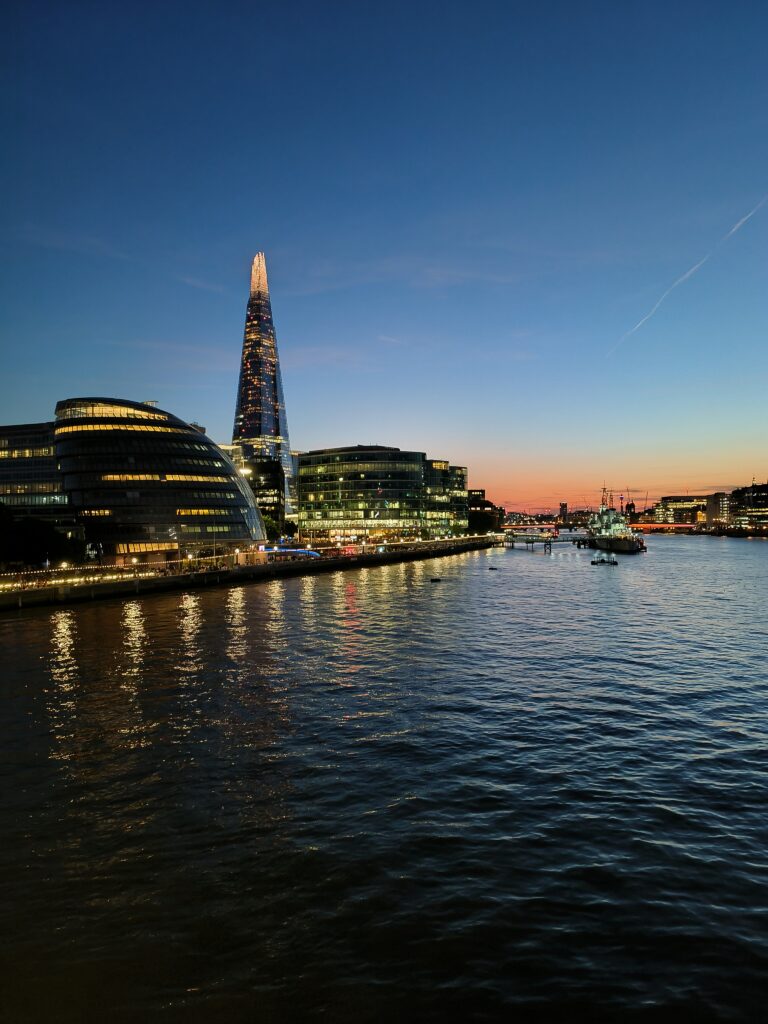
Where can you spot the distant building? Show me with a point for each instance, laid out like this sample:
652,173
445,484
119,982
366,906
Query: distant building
749,507
579,517
373,493
648,515
718,510
261,426
685,508
515,518
563,516
484,516
30,483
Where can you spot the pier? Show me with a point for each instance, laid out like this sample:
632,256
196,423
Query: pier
530,538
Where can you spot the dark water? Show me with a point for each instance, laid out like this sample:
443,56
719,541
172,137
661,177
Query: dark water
532,794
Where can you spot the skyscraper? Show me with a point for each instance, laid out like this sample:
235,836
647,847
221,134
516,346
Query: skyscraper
261,427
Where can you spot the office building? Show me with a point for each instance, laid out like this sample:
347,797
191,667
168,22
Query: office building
484,516
682,508
261,426
718,510
749,507
30,483
372,493
266,479
445,498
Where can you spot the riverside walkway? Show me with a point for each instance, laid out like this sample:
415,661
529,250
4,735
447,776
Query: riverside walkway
78,583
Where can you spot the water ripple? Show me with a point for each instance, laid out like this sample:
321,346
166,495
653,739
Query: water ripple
536,793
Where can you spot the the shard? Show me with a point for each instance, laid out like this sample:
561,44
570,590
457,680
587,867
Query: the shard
261,427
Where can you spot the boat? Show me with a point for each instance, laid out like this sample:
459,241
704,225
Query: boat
609,530
602,559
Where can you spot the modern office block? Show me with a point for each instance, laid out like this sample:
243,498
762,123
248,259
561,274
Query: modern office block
372,493
749,507
30,483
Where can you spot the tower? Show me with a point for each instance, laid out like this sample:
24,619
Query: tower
261,427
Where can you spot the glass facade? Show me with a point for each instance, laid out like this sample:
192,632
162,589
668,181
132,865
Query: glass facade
144,484
682,508
374,494
445,498
719,509
749,507
30,483
266,479
261,426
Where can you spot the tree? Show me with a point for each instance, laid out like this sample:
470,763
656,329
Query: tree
272,528
290,529
33,542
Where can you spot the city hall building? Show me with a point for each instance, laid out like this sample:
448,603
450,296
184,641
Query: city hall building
136,482
374,494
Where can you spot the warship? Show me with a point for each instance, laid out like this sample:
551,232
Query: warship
609,530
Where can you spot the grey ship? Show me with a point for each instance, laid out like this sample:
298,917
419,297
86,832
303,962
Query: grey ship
610,531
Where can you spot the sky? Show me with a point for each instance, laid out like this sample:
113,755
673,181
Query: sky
467,211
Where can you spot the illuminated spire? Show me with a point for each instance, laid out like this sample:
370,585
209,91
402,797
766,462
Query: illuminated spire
261,428
259,284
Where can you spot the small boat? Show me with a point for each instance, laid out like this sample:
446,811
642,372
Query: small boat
493,568
602,559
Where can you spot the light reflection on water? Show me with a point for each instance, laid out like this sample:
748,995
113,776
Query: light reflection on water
190,623
237,640
540,787
60,688
62,662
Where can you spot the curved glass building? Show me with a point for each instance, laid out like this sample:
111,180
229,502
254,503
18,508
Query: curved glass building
145,485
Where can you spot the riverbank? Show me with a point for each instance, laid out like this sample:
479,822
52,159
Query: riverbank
65,593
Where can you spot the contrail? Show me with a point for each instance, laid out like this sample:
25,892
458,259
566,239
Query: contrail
743,221
689,273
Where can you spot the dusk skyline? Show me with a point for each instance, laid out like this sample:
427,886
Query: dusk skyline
467,220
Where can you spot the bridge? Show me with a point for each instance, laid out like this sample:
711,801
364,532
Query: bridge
668,527
530,527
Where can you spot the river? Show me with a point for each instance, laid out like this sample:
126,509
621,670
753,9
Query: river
534,793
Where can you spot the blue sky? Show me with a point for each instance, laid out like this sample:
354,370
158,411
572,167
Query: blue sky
463,208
